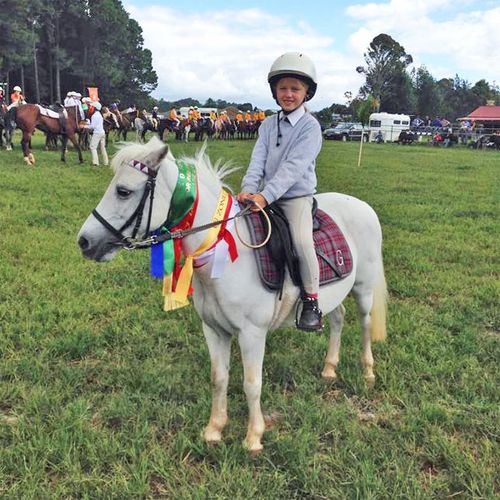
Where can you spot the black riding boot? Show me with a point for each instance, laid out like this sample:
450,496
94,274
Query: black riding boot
310,318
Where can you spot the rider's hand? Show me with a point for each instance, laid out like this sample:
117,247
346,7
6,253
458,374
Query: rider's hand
257,200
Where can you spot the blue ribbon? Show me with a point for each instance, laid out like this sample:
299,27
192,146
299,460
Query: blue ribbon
157,266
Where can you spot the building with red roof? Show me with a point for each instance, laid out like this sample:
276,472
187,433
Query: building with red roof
488,115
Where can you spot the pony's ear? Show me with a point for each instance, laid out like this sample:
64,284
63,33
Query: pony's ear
157,150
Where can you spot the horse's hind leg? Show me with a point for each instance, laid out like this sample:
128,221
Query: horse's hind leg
336,320
364,300
74,141
219,347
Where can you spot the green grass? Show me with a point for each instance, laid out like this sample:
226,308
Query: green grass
103,395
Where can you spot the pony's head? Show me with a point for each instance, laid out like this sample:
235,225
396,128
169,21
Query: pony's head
126,213
126,209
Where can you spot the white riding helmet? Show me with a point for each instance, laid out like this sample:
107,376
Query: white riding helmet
156,108
17,88
97,105
297,65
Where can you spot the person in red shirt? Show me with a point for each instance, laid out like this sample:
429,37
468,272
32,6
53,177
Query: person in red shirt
16,98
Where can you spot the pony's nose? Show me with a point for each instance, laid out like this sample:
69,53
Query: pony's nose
83,243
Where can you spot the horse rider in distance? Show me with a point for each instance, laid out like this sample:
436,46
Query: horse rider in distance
16,98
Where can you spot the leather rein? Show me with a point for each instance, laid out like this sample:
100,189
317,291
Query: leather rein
131,242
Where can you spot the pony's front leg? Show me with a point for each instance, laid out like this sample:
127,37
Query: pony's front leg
252,345
336,320
219,347
25,144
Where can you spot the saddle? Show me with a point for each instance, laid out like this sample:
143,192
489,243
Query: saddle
279,254
49,113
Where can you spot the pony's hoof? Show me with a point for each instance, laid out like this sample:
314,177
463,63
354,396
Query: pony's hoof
254,451
212,436
370,380
329,375
254,448
31,158
27,160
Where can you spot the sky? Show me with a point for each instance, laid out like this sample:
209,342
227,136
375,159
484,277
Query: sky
223,49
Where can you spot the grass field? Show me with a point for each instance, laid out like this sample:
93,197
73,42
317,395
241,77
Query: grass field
103,395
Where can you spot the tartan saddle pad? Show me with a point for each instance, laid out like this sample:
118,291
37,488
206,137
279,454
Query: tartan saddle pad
332,250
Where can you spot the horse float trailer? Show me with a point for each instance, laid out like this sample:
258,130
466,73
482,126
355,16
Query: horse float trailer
389,124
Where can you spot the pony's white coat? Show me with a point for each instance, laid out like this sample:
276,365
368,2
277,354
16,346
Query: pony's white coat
237,305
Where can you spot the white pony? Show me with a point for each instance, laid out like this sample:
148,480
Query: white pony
236,304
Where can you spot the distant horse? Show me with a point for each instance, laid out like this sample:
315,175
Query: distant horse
494,141
31,116
241,127
203,126
168,125
236,304
225,129
143,124
7,126
406,137
183,130
248,129
125,121
110,122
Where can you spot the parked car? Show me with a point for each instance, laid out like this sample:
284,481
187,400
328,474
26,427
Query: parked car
346,131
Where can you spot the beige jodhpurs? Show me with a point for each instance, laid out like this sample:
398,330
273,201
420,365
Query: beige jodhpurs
98,139
299,214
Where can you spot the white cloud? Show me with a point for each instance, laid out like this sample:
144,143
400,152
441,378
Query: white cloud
226,54
229,56
462,38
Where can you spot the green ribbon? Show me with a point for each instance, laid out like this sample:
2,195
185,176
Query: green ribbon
182,202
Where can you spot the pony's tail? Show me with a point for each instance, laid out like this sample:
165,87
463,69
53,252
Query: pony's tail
379,308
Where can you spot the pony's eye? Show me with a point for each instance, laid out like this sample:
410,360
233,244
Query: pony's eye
123,192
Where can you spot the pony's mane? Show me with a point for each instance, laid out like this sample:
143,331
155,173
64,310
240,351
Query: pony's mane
216,173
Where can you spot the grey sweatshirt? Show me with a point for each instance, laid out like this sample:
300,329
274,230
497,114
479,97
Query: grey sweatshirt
287,170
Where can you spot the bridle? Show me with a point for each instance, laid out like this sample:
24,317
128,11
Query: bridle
131,242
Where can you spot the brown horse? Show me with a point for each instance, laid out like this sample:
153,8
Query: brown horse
125,121
31,116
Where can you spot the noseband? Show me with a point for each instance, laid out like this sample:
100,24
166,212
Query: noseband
130,242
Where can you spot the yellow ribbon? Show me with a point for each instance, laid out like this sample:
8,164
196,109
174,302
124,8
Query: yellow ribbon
177,298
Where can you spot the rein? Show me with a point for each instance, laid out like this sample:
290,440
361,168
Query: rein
131,242
181,233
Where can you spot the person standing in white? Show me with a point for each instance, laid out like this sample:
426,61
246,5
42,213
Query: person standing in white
98,134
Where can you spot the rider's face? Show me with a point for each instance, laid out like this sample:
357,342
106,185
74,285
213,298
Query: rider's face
290,93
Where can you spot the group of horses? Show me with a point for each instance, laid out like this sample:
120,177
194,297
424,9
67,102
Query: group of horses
223,129
65,123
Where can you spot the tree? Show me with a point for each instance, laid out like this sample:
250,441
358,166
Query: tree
16,38
427,95
385,70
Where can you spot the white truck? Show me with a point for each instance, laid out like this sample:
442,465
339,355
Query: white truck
389,125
